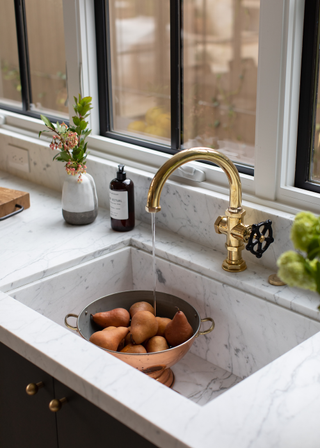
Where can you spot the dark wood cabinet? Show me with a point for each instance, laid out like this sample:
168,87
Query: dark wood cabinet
26,421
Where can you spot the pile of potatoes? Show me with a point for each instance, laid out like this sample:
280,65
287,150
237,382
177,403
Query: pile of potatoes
139,330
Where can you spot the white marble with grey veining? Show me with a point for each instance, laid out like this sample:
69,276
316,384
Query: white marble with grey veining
277,405
200,381
46,244
185,209
249,332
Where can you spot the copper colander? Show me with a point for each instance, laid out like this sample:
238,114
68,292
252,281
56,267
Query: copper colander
156,365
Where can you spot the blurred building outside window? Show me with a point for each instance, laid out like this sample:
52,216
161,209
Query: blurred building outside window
10,86
46,57
219,73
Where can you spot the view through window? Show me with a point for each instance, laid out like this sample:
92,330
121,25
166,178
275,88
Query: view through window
10,86
140,68
219,60
32,57
47,56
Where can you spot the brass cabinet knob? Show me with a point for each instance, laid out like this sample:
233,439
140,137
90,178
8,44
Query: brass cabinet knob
33,388
55,405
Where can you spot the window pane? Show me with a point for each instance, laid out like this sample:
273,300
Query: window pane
315,155
220,61
47,56
10,88
139,43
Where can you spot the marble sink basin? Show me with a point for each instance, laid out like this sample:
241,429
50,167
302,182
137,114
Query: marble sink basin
249,334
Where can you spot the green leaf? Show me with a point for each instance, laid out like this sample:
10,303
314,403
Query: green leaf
83,125
47,122
63,156
84,109
85,134
314,248
308,268
80,145
78,154
86,100
76,120
318,277
57,155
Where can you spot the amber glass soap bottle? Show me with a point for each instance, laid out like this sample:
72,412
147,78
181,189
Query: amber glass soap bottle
121,202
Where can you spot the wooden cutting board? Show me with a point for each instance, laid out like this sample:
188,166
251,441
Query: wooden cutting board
9,198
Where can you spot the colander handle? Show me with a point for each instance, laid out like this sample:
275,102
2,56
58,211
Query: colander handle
206,319
66,321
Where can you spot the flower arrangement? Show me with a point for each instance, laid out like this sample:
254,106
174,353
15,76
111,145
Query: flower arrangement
302,267
70,140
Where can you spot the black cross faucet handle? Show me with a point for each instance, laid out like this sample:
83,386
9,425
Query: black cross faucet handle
260,238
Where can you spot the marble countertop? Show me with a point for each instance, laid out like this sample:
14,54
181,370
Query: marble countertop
277,406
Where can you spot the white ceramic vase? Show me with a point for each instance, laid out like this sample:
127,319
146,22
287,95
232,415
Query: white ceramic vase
79,200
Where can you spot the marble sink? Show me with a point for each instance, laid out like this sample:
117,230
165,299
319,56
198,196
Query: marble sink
250,332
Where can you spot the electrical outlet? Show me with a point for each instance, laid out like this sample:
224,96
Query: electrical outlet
18,158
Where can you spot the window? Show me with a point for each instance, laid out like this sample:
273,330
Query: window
308,146
180,74
32,59
10,85
250,113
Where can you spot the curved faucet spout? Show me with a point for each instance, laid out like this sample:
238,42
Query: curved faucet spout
231,224
182,157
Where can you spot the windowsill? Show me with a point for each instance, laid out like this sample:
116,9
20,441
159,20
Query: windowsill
148,161
188,208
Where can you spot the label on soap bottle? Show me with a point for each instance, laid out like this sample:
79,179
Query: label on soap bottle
119,204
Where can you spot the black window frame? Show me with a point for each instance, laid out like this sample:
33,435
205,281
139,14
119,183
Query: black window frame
24,68
176,82
308,96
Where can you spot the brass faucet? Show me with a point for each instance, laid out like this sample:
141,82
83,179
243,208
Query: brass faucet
231,223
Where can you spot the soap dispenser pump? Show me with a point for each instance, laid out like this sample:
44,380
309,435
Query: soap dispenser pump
121,193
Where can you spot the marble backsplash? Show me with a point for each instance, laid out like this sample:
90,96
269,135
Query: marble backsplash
186,210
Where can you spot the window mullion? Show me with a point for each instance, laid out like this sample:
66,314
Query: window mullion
23,54
175,73
89,71
269,96
102,64
308,97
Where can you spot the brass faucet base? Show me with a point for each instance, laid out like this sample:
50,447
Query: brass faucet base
237,266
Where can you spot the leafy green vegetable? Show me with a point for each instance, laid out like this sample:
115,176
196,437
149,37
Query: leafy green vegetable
306,226
295,268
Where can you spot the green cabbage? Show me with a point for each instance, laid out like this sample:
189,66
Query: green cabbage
305,228
295,270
